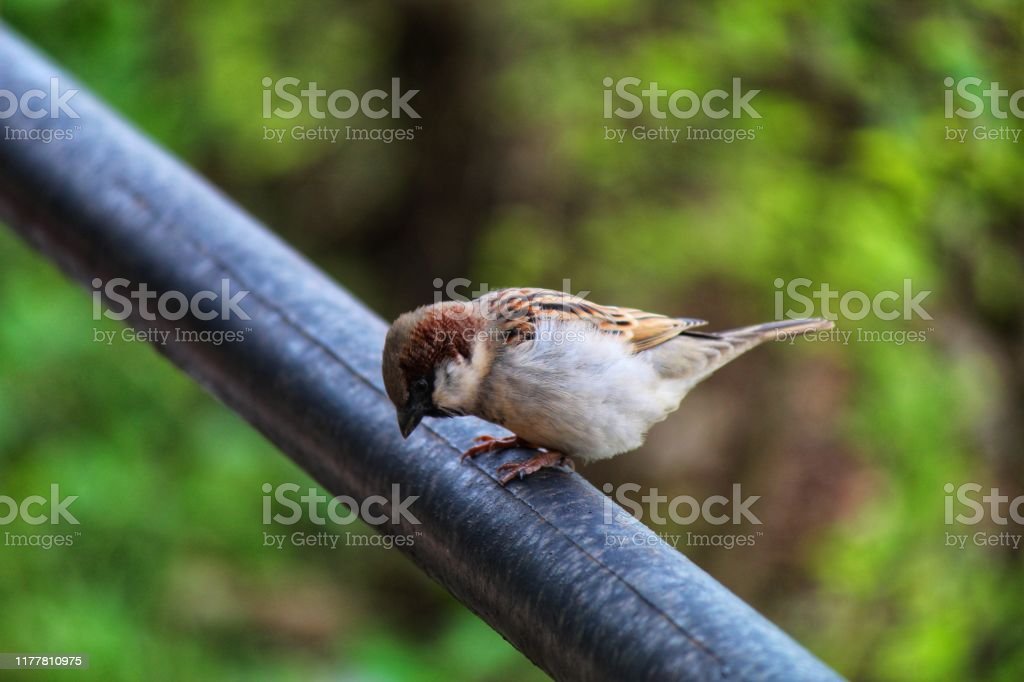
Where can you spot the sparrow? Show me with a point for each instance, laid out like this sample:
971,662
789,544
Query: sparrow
568,377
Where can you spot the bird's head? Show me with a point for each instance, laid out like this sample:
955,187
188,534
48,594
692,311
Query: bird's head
427,362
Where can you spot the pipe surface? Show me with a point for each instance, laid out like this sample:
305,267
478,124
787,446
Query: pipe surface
531,559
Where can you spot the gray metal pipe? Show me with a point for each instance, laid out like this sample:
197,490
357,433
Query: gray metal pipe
530,559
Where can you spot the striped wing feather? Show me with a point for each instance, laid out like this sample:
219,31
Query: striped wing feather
519,310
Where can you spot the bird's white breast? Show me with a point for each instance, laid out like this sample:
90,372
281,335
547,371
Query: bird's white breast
576,390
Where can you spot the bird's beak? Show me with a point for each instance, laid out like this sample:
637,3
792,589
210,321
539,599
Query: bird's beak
419,403
409,418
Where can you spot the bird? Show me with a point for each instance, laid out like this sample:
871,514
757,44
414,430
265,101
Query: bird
569,378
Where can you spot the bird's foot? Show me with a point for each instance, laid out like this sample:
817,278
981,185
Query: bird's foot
541,460
486,444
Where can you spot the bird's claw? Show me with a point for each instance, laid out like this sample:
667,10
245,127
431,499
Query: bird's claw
541,460
486,444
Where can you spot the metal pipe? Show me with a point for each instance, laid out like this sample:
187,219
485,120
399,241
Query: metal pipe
531,559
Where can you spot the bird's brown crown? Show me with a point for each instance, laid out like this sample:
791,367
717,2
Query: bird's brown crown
419,340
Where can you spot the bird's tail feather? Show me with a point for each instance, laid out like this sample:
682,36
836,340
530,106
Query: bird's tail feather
776,331
705,352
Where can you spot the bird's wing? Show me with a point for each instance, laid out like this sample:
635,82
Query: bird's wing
518,311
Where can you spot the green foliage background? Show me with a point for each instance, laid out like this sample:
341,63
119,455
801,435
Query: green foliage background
850,181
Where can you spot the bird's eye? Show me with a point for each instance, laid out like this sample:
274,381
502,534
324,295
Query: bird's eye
420,384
